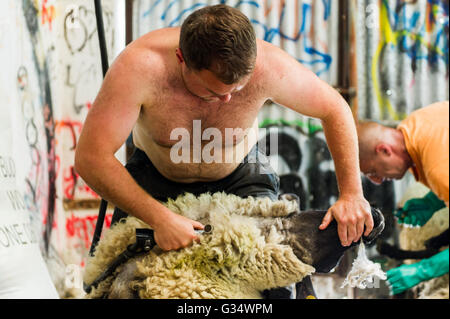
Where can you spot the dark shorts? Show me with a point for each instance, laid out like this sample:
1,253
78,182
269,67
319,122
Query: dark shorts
253,177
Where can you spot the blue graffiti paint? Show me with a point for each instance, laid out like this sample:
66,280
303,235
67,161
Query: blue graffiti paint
149,11
317,57
270,34
190,9
327,11
411,27
252,3
163,17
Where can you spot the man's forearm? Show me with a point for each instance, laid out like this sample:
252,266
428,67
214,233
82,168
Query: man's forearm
341,136
111,180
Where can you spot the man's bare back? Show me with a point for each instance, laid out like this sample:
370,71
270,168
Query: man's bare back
169,105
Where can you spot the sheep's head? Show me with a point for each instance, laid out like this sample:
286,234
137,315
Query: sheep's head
322,248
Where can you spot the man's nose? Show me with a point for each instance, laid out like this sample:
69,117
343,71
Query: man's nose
225,98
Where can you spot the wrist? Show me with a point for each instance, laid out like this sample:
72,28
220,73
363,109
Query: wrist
156,214
433,201
350,190
351,196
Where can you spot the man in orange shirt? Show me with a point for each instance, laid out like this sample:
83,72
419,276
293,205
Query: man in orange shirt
420,143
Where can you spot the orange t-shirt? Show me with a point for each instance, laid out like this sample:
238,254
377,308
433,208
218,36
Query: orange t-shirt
426,133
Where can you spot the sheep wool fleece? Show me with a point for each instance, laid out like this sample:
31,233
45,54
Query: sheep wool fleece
237,260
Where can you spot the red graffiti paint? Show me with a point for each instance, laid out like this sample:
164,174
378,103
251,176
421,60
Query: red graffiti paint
73,186
74,128
83,227
47,14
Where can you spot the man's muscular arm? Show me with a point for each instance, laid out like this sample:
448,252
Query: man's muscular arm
107,126
298,88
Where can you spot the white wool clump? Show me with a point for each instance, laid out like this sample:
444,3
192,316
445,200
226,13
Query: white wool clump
363,271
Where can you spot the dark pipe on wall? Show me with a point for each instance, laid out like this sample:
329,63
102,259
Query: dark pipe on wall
105,66
101,36
344,63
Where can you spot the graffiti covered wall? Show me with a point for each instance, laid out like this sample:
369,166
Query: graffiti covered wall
305,29
402,56
51,73
80,79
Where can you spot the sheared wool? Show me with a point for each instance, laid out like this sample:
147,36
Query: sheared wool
363,271
235,261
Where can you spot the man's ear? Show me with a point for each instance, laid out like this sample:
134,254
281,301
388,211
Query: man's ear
383,148
179,55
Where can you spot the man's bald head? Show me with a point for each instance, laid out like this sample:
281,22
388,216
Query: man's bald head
370,134
382,152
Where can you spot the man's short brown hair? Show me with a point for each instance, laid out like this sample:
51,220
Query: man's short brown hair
220,39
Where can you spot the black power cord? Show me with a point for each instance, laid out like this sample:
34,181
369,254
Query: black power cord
105,66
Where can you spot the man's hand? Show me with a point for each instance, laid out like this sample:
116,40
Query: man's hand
175,231
351,214
407,276
417,211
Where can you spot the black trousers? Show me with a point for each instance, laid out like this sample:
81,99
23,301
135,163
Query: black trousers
253,177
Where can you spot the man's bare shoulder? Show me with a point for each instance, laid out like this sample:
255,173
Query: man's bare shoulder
273,58
274,64
148,55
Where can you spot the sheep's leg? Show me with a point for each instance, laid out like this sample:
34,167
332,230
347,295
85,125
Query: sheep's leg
397,253
433,244
438,241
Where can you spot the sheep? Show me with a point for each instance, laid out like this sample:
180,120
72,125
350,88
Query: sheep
256,244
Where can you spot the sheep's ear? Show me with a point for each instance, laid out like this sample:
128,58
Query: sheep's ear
281,267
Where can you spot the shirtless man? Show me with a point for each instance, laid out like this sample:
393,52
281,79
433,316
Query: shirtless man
207,71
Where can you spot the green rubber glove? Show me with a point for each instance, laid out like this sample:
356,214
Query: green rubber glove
417,211
407,276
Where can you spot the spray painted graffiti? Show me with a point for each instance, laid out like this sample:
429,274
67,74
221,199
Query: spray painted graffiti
80,230
80,102
80,28
279,22
407,56
47,13
82,70
83,66
407,33
51,77
37,196
73,186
